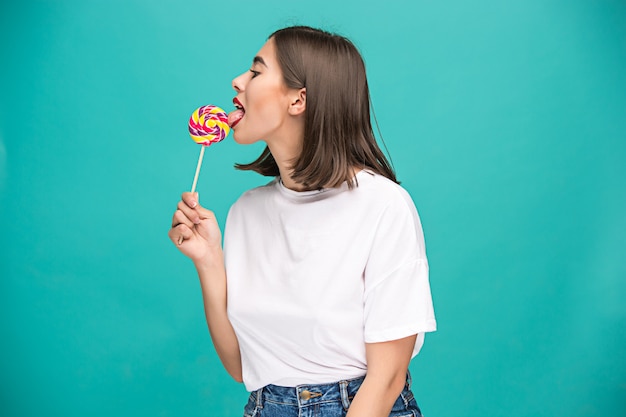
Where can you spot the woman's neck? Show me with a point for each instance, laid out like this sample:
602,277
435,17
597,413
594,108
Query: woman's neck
286,153
291,184
286,175
285,164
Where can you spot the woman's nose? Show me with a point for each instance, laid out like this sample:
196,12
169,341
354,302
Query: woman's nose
238,83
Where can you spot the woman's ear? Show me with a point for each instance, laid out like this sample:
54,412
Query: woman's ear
298,102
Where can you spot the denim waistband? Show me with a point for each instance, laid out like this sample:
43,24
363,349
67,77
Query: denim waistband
311,394
306,395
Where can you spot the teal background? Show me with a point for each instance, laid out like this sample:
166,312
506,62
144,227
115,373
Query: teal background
506,121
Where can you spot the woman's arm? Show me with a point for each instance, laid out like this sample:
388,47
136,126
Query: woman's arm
213,283
196,233
387,365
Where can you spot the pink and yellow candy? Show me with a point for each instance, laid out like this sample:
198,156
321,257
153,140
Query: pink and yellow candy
207,125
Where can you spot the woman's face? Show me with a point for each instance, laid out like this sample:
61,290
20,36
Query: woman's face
262,100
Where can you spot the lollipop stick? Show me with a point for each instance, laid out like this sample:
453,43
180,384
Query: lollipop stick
195,178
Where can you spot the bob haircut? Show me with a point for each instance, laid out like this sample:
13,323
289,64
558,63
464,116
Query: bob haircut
338,135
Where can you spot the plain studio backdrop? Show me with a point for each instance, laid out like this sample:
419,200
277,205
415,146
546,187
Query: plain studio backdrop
505,120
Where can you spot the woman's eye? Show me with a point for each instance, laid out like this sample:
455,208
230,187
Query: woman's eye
254,73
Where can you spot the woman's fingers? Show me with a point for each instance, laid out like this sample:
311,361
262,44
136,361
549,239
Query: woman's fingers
190,207
191,219
190,199
180,217
180,233
205,214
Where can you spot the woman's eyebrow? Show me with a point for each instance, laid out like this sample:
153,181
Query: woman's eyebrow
259,60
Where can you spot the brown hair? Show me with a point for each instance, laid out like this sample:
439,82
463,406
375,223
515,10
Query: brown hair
338,133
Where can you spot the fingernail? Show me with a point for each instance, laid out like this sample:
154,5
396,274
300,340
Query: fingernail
193,204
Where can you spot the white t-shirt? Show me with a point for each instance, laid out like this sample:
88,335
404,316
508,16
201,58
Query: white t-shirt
313,276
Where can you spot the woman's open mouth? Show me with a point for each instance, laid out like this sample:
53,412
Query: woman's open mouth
236,115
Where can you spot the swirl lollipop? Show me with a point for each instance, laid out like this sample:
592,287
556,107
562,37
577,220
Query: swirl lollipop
207,125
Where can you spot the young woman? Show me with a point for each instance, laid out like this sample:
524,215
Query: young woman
328,296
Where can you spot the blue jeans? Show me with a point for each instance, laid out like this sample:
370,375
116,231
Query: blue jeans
324,400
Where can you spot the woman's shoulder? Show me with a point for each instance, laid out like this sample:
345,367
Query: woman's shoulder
391,202
254,195
382,189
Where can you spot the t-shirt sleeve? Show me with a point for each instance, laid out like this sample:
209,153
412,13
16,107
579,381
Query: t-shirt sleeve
397,299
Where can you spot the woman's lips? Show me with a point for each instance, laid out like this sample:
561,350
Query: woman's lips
235,116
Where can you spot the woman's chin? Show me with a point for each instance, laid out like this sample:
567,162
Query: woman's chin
242,139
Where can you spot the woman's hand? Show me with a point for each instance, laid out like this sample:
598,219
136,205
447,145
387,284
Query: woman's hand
195,230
